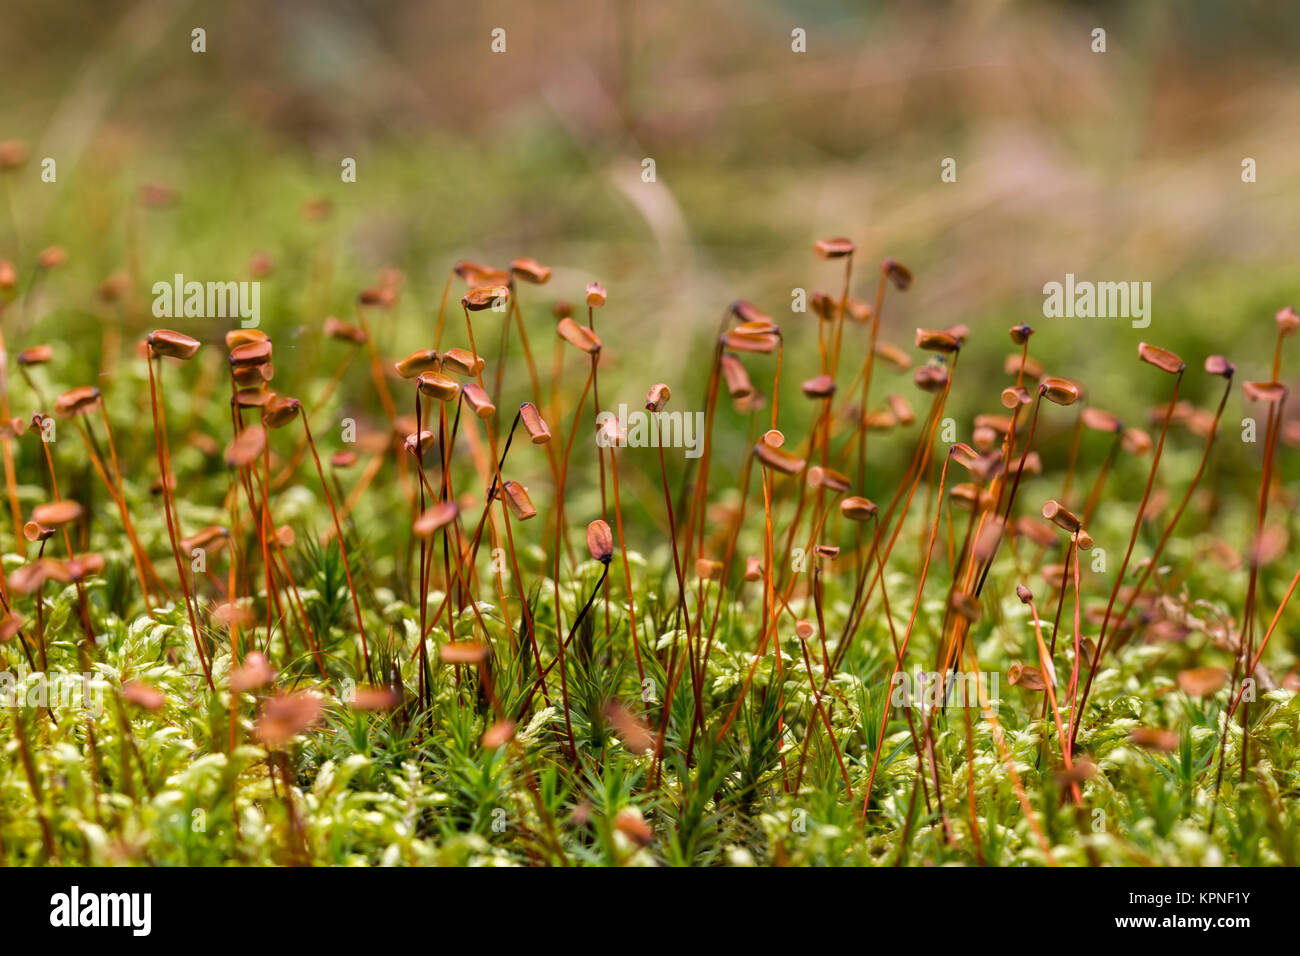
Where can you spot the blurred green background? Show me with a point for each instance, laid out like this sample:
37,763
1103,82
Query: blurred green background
1123,165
